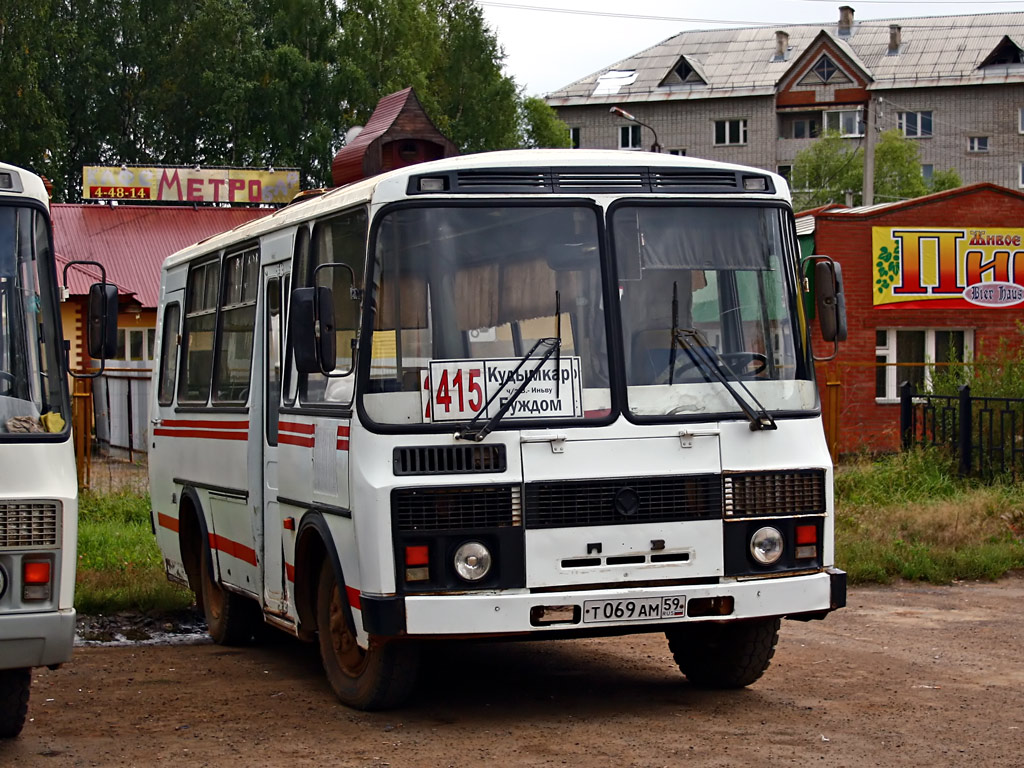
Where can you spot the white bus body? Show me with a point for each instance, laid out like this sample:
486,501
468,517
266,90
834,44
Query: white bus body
662,466
38,483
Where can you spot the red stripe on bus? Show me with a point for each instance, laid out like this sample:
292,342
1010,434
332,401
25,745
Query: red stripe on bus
204,433
343,433
305,442
289,572
205,424
297,427
353,598
233,548
168,522
343,445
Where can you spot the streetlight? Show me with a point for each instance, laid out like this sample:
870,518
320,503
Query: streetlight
655,147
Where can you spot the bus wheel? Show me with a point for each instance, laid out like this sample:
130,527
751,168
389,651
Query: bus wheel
379,677
14,685
724,655
230,618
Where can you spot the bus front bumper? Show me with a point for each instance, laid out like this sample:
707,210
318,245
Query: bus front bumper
36,639
806,596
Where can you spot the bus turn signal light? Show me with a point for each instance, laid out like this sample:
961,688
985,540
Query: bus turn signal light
806,542
417,563
36,580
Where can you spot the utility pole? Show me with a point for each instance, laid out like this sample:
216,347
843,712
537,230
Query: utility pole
869,154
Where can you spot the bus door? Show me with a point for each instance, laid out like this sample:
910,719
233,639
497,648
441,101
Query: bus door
275,285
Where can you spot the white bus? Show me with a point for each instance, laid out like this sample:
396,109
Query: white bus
528,394
38,482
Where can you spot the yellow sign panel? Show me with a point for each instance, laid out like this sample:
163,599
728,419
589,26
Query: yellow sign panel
942,267
189,185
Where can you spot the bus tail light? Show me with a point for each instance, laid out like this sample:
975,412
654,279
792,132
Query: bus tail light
806,542
36,580
417,563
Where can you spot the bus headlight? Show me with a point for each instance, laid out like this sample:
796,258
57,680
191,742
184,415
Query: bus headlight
766,545
472,561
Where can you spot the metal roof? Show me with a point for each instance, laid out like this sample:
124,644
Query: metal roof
131,241
934,51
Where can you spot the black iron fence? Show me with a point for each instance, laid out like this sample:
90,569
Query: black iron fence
985,434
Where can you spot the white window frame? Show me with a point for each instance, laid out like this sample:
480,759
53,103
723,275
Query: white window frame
1020,119
1020,176
910,124
977,143
740,126
677,151
125,336
887,354
840,120
630,138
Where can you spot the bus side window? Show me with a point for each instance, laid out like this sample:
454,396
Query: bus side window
300,274
340,239
169,353
197,338
274,357
236,329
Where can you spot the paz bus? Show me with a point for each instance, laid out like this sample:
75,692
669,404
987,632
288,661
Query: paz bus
38,481
526,394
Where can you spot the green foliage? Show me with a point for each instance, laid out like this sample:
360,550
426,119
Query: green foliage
239,82
994,372
119,564
832,166
542,126
888,265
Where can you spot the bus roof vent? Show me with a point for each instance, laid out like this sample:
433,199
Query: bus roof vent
449,459
600,180
672,180
504,180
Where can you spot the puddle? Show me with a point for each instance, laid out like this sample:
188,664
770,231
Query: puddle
135,629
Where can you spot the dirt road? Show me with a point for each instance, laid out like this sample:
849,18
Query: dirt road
905,676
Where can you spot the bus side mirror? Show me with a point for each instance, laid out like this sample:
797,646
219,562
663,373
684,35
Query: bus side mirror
311,329
828,291
102,321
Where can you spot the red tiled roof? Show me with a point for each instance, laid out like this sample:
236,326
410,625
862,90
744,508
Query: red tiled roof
132,241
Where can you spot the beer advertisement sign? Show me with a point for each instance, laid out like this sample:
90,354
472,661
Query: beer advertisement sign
941,267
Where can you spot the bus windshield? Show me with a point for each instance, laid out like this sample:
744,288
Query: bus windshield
462,296
705,296
30,386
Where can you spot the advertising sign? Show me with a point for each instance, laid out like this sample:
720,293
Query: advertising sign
940,267
189,185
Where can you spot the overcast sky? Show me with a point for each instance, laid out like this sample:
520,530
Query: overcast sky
551,43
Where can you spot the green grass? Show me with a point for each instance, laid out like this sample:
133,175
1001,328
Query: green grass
906,516
119,564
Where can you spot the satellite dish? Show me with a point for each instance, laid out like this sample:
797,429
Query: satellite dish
352,132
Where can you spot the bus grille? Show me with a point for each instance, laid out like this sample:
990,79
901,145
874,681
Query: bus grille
775,493
455,509
28,524
620,501
448,459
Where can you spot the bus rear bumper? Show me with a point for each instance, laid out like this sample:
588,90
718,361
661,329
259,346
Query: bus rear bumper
506,614
36,639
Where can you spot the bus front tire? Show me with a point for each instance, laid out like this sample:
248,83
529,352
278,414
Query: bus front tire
381,676
14,685
230,618
724,655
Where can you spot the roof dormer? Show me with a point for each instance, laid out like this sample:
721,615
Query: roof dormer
1006,52
685,72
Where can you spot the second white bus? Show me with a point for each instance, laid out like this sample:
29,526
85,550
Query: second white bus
532,394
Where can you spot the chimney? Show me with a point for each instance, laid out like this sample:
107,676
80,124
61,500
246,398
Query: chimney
781,45
845,20
895,38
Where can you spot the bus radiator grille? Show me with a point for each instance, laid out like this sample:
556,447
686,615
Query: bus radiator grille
456,508
756,494
28,524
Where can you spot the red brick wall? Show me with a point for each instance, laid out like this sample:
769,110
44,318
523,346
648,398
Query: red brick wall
864,423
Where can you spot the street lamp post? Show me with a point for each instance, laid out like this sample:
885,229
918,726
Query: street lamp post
655,147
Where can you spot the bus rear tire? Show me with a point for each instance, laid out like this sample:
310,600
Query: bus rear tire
724,655
230,618
382,676
14,685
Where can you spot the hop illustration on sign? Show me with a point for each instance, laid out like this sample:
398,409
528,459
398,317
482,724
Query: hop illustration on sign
888,267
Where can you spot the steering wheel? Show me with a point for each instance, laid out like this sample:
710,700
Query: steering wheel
746,365
8,379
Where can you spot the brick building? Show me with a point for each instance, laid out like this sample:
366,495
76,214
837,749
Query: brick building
759,95
929,280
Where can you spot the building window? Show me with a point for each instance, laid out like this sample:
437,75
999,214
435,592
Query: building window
730,131
927,169
676,151
1020,181
849,122
805,129
135,344
784,171
629,137
977,144
912,355
915,125
574,138
1020,120
825,69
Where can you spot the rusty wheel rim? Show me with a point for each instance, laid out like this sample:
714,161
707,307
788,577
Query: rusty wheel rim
351,658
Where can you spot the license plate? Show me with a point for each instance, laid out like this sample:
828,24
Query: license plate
635,609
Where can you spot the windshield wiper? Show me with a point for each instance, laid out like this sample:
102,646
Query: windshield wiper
553,345
707,360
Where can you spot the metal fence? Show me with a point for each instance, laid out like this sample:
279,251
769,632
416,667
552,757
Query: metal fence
985,434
